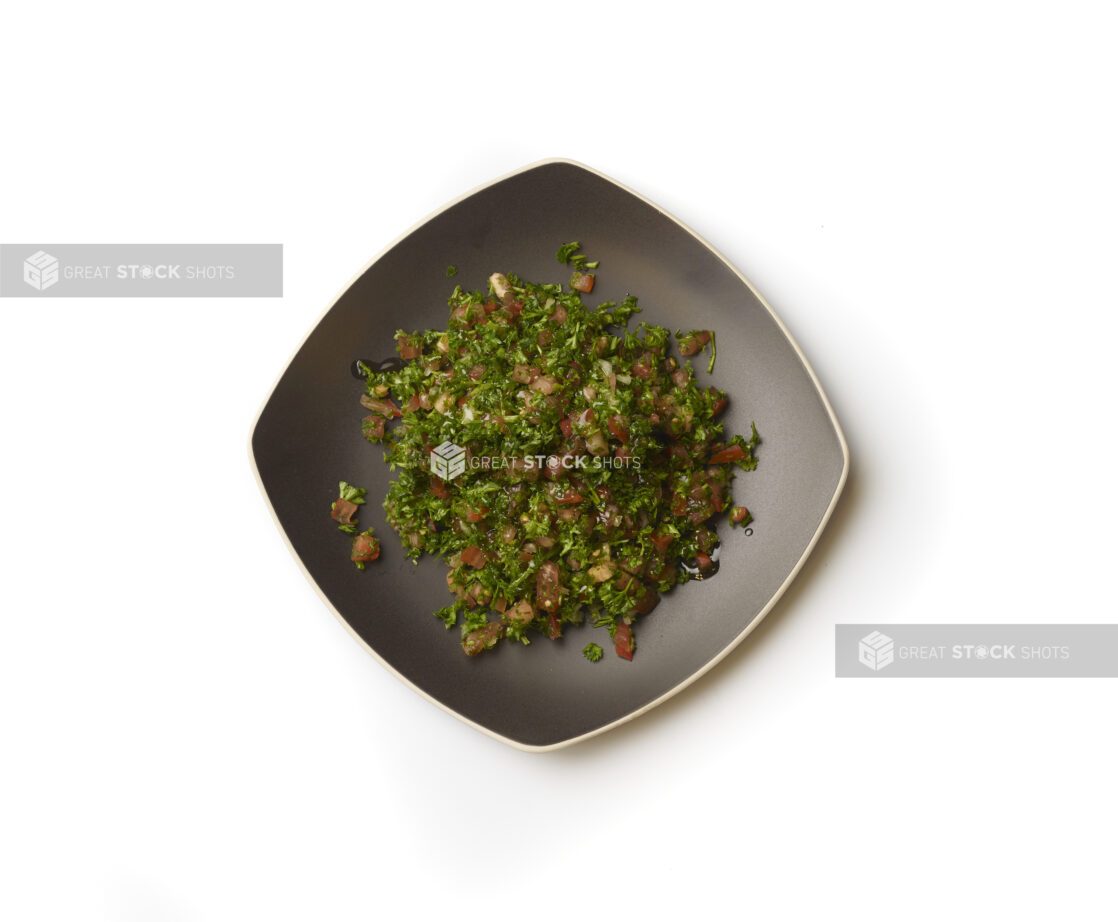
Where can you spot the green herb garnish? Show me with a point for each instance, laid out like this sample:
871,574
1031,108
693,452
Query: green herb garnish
351,493
557,457
344,508
567,250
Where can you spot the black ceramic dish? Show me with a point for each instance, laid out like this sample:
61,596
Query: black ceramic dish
308,437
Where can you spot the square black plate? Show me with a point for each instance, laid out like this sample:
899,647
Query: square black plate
307,438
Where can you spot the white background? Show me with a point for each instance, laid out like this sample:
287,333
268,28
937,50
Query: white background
927,197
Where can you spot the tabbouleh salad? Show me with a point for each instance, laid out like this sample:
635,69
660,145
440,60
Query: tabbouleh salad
578,472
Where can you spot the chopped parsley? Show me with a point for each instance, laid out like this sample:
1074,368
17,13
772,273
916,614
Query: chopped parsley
592,652
568,255
555,455
351,493
566,251
344,508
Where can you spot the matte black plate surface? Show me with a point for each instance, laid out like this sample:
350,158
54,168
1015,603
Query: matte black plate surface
308,437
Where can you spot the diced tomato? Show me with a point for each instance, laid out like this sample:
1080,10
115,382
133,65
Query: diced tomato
474,556
566,496
716,498
439,488
343,511
484,638
476,515
480,594
718,400
647,601
610,517
658,574
409,347
373,427
384,407
522,612
521,470
642,370
452,585
545,384
661,542
623,641
701,513
739,514
582,281
554,632
675,450
728,454
468,314
365,548
693,345
618,428
553,467
547,587
679,504
565,427
634,566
